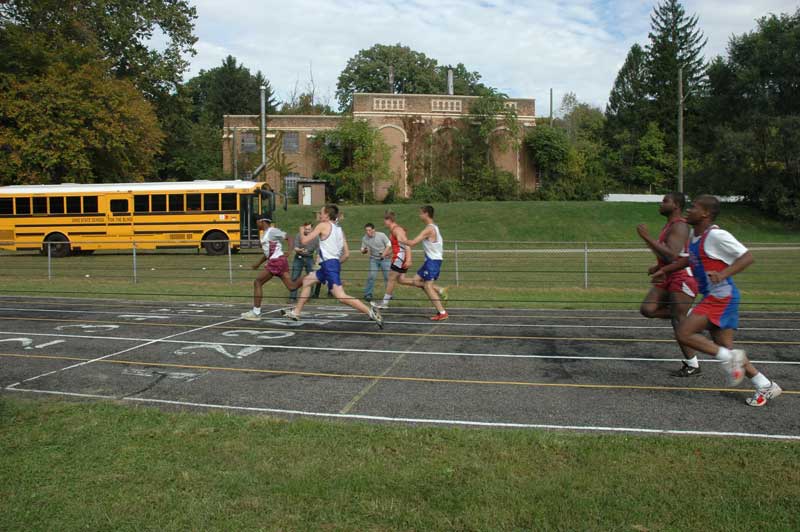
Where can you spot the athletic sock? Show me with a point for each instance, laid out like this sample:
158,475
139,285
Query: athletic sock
387,298
256,310
724,354
760,381
442,312
692,362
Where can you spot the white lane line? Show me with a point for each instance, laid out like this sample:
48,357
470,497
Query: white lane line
427,421
172,312
387,351
150,342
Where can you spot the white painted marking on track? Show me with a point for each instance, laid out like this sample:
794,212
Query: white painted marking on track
195,349
261,335
88,327
48,344
398,352
427,421
121,352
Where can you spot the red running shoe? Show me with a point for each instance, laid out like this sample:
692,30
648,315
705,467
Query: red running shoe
439,317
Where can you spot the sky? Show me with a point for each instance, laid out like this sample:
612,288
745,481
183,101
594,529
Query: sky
522,48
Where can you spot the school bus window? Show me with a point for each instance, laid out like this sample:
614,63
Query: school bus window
6,206
56,205
176,202
192,202
90,204
158,203
23,205
210,202
119,206
73,205
229,202
141,203
40,205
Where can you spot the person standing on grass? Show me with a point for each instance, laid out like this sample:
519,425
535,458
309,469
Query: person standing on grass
672,298
433,245
333,251
277,265
377,246
400,258
715,257
303,259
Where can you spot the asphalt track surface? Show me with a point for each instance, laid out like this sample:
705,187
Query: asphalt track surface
582,370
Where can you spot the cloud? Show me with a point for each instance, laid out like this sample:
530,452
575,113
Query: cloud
521,47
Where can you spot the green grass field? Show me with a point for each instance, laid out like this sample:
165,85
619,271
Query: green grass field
106,466
102,466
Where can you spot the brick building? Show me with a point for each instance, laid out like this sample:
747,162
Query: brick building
402,119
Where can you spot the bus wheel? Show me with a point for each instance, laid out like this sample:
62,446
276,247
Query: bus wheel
216,243
59,245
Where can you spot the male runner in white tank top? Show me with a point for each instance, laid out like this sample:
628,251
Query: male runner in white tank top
333,251
277,265
433,245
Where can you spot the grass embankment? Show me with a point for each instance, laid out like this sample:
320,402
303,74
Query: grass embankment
549,277
70,466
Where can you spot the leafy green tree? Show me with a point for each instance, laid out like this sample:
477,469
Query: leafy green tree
228,89
549,149
305,104
354,156
75,125
117,31
414,73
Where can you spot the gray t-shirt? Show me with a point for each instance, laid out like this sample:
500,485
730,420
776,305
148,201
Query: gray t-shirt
309,249
375,245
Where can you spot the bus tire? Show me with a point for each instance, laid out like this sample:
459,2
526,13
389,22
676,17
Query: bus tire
59,245
216,243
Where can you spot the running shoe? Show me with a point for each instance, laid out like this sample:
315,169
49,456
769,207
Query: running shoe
289,313
380,306
762,395
440,317
250,315
687,371
735,367
443,294
375,315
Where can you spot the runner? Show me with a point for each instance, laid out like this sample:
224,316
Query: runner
715,257
672,298
401,258
333,251
433,244
277,265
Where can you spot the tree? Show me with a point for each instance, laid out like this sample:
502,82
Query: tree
675,43
414,73
354,157
628,103
75,125
117,31
228,89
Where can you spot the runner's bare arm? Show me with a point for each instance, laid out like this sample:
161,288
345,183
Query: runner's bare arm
665,252
740,264
321,230
346,253
426,233
260,262
679,264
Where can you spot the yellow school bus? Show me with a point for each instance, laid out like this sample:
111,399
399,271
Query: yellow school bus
74,218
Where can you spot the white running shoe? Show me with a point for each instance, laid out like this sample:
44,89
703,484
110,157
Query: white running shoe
735,367
761,396
289,313
250,315
375,315
380,306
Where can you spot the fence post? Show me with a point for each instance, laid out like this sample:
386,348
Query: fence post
456,250
49,262
230,264
586,264
135,280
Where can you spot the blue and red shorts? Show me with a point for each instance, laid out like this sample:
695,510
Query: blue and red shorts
722,312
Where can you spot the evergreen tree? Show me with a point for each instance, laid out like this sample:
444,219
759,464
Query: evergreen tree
628,103
675,42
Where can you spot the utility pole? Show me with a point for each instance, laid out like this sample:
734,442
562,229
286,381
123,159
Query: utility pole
551,107
681,98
